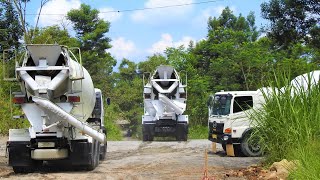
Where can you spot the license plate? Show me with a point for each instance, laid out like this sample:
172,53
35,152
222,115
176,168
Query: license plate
45,144
214,136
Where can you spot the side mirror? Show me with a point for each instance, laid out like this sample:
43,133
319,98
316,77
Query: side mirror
108,101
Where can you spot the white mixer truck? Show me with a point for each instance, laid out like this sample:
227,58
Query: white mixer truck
164,103
63,108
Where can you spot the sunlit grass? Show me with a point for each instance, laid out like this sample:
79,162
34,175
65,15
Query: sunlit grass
288,124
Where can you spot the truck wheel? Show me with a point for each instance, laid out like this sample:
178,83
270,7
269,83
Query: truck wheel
23,169
182,137
250,146
94,155
27,169
103,151
147,137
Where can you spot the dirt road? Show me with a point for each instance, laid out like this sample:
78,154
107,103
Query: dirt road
143,160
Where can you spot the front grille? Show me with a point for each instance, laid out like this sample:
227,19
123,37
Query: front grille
216,128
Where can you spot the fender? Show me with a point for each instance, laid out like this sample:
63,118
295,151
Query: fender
247,131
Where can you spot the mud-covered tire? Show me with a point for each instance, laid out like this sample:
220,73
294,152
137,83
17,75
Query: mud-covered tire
147,137
182,137
250,147
95,154
23,169
103,151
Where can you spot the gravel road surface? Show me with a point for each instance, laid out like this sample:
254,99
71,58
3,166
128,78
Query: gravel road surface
146,160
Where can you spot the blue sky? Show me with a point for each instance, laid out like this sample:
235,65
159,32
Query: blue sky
138,34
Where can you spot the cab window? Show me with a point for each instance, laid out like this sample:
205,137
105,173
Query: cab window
242,103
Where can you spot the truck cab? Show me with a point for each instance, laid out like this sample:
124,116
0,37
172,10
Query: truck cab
229,120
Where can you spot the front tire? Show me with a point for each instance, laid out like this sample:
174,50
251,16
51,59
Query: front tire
250,146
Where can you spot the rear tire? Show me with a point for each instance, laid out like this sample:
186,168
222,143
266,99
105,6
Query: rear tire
23,169
103,151
95,153
182,137
182,132
147,137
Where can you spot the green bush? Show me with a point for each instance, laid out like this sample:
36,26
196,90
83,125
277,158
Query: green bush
198,132
7,109
113,130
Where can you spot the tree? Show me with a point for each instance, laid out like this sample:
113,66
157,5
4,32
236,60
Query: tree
292,22
54,34
127,94
222,57
21,8
151,63
10,28
91,31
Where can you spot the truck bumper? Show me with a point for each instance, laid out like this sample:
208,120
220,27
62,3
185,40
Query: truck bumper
216,134
165,128
223,138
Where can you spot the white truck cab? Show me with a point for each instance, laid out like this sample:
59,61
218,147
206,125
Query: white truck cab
229,120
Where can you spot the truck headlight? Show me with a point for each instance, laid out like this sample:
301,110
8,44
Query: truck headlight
225,138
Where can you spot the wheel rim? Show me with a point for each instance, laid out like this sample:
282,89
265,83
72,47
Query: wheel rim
253,145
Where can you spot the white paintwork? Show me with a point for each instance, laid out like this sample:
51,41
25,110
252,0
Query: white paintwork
176,106
42,51
19,135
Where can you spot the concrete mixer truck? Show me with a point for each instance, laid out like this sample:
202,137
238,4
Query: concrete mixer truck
63,108
164,103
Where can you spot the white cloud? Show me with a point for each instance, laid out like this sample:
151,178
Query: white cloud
202,19
58,9
122,48
155,16
109,16
167,41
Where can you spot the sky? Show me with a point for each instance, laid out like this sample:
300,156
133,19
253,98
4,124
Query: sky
138,34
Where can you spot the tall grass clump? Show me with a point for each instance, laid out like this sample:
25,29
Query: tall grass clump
289,124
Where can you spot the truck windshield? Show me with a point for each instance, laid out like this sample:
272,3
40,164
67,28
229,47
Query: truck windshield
220,105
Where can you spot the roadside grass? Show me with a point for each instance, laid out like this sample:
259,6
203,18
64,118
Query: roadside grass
198,132
289,126
309,161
